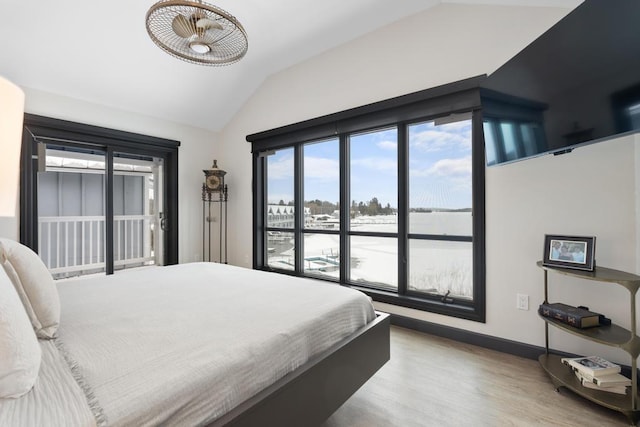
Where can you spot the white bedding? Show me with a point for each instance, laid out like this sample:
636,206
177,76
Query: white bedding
55,400
182,345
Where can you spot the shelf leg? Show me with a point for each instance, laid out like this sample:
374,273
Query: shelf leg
546,325
632,417
634,359
546,288
556,385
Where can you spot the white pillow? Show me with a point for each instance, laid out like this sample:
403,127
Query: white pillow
35,287
20,352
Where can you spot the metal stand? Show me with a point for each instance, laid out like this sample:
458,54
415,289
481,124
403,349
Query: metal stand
612,335
208,199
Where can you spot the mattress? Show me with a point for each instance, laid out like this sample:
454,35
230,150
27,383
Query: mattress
182,345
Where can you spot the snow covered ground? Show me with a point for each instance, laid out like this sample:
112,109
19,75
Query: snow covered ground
434,266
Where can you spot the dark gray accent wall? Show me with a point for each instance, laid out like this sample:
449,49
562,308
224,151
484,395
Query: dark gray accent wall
78,194
127,195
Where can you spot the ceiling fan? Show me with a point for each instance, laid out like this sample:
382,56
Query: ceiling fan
196,32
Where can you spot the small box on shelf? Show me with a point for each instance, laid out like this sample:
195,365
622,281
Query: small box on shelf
577,317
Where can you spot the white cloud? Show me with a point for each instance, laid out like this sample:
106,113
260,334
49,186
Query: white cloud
432,138
281,168
440,138
460,167
376,163
321,168
452,167
387,145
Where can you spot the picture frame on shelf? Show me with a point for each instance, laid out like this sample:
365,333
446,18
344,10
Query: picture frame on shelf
575,252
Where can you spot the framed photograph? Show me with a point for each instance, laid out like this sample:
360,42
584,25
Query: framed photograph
575,252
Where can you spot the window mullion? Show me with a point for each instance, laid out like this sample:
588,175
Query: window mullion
478,224
345,209
259,210
403,204
108,223
298,196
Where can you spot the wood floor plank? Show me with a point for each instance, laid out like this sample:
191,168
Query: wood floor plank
433,381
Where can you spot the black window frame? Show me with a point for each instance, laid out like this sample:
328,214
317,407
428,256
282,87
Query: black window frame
460,97
107,141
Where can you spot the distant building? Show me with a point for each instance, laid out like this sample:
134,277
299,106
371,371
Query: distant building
284,216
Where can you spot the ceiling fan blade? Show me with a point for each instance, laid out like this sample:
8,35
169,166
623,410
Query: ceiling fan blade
182,27
208,24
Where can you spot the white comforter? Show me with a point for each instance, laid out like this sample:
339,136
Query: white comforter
55,400
182,345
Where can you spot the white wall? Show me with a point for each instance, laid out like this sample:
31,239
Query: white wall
9,227
196,152
588,192
444,44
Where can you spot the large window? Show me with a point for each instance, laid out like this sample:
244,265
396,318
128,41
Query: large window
388,199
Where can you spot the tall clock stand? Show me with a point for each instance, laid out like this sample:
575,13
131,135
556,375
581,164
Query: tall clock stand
210,201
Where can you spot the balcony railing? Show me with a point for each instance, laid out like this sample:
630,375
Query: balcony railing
72,245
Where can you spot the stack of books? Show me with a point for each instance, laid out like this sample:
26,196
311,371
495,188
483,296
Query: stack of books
599,374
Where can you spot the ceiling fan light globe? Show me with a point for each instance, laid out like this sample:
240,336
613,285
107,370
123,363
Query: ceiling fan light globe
199,47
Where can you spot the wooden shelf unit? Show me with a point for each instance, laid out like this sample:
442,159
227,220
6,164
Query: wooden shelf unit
611,335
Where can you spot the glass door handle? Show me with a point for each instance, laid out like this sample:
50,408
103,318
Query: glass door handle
163,222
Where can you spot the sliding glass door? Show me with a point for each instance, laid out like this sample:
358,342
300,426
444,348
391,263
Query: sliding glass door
137,210
71,211
90,207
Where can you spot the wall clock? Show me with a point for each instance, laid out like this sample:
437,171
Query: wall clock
214,179
214,183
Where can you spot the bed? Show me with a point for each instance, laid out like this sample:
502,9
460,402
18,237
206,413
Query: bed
202,344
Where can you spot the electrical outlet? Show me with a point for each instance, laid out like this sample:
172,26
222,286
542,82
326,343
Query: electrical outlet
522,302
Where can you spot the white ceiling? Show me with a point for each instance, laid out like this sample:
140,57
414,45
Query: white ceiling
101,53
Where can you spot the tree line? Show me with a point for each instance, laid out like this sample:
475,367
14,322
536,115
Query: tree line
371,208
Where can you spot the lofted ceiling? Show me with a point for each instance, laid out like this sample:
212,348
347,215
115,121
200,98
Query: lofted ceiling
101,53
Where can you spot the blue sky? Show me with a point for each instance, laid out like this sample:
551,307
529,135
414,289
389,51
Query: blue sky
439,167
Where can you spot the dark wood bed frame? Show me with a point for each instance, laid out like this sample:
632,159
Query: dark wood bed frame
311,393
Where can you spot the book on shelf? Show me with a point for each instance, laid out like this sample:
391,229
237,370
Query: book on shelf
612,388
608,380
574,316
593,366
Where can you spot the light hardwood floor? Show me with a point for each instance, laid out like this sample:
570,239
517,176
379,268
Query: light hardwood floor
433,381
